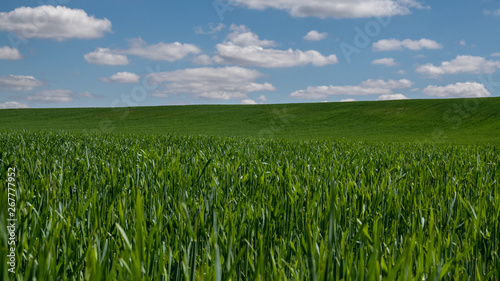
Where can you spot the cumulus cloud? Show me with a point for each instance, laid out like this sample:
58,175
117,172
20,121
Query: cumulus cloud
495,54
48,96
262,98
12,104
242,47
385,61
105,56
368,87
248,101
57,96
224,83
314,35
160,52
242,36
7,53
494,13
336,8
270,58
18,83
392,97
398,45
347,100
87,94
122,77
458,90
203,59
212,29
49,22
461,64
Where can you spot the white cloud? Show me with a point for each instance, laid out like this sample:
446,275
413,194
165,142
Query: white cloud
336,8
7,53
49,22
262,98
244,48
105,56
397,45
223,83
161,51
392,97
314,35
87,94
212,29
242,36
368,87
347,100
401,72
18,83
494,13
57,96
458,90
461,64
270,58
419,56
248,101
463,42
138,47
13,104
159,94
122,77
203,60
385,61
495,54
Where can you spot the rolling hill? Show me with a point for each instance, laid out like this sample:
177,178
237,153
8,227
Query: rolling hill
460,121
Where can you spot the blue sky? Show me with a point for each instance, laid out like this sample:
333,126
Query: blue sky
70,53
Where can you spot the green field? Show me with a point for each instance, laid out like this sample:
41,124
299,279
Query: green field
460,121
402,190
107,207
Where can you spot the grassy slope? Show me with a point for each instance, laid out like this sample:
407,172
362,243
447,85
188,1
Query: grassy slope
450,120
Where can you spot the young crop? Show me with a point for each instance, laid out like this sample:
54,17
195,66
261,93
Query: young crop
110,207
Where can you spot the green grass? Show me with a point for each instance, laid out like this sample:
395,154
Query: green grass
115,207
399,190
459,121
